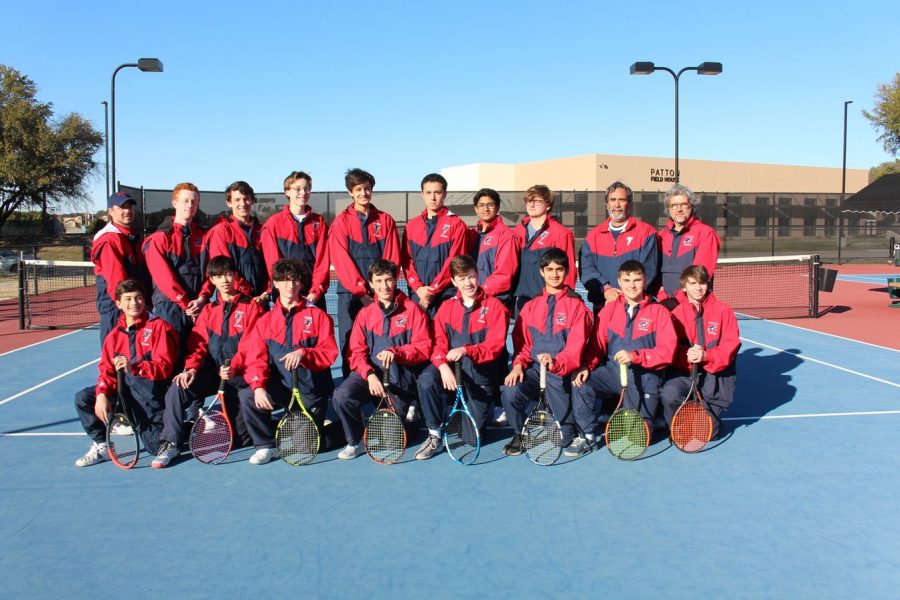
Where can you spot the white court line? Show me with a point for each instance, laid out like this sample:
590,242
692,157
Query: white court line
814,415
821,362
58,434
840,337
49,381
45,341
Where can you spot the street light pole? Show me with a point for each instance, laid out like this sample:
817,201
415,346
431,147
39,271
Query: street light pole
106,140
705,68
148,65
843,186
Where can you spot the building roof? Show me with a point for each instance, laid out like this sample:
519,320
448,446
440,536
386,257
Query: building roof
880,196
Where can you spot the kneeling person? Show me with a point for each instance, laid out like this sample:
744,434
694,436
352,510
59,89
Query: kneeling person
144,347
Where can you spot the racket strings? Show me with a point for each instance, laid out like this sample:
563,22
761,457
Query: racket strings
542,438
297,439
627,434
461,437
211,438
122,441
385,437
692,427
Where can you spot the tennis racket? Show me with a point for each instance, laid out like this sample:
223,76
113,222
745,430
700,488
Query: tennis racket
297,437
385,437
627,433
122,436
692,425
461,437
542,435
211,436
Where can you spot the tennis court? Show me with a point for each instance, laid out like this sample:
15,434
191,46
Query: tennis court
797,500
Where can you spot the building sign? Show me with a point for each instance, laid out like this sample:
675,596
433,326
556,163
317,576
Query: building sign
662,175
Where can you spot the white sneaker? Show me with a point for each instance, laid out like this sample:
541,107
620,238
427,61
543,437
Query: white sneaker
167,451
263,455
96,454
122,429
349,452
500,416
411,415
208,424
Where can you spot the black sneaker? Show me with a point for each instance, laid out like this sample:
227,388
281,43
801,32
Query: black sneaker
515,447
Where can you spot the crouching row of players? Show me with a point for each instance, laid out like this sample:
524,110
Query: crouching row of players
256,353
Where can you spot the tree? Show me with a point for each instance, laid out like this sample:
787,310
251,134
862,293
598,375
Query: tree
42,161
886,115
885,168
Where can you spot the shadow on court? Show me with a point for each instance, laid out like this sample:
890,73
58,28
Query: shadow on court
763,384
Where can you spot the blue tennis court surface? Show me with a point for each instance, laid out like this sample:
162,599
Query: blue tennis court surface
799,500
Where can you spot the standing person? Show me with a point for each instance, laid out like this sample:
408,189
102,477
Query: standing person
538,232
684,241
299,233
359,235
631,330
621,237
295,334
219,329
430,240
237,236
469,328
708,336
143,346
493,246
174,255
390,333
116,254
550,329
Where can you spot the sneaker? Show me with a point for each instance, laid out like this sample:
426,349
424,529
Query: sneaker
167,451
411,414
579,447
350,452
515,447
122,429
96,454
263,455
500,417
429,448
208,424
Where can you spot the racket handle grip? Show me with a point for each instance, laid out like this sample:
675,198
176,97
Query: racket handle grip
543,376
294,378
225,363
457,372
623,375
120,381
695,370
385,377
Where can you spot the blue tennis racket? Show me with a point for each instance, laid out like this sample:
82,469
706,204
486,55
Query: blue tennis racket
461,437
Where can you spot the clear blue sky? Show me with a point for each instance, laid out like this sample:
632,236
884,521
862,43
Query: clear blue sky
254,90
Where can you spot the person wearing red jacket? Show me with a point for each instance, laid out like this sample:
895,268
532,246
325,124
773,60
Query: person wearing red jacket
174,258
684,241
551,329
215,339
143,346
294,335
116,254
537,233
390,333
632,330
708,336
493,246
470,328
430,240
299,233
358,236
621,237
238,236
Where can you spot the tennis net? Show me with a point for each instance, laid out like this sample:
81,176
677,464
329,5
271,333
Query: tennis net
769,287
56,294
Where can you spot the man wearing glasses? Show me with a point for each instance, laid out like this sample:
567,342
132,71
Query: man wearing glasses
619,238
493,246
299,233
684,241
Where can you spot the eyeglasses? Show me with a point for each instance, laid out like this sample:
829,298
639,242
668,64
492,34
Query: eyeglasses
483,206
680,205
301,189
535,201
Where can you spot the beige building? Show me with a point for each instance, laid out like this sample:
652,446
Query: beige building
594,172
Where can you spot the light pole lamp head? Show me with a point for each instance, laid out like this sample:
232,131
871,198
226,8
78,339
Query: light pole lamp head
150,65
709,68
642,68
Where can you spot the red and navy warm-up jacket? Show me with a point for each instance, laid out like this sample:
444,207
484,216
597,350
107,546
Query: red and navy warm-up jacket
355,241
150,345
174,258
480,329
649,335
496,253
428,245
403,328
696,244
720,334
283,237
602,254
282,330
229,237
219,329
562,333
116,254
552,235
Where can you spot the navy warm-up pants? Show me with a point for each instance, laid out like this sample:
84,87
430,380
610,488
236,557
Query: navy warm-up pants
603,387
146,410
516,399
436,401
